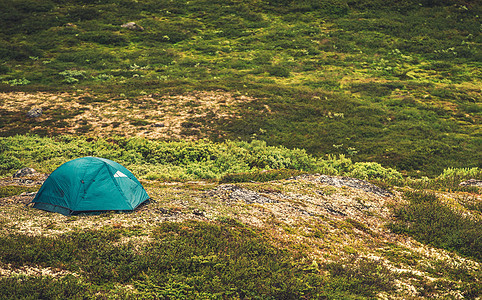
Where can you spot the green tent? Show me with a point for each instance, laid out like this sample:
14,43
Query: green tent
90,185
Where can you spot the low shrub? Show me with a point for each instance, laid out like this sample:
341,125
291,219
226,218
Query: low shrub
72,76
279,71
9,163
230,160
372,170
358,276
430,221
15,82
222,259
23,287
450,179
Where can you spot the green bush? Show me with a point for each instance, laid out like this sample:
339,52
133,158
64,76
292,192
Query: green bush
456,174
72,76
449,180
9,163
372,170
15,82
23,287
278,71
185,160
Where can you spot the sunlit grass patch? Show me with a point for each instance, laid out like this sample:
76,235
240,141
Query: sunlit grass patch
430,221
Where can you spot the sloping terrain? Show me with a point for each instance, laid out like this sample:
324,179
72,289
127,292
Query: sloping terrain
291,149
337,228
394,82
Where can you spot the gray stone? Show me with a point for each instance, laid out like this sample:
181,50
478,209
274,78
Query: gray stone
132,26
198,212
248,196
471,182
35,112
24,172
26,194
346,181
158,125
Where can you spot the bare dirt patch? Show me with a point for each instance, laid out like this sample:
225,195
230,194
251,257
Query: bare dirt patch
186,116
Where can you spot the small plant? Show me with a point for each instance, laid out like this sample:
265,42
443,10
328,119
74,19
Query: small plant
72,76
8,162
279,71
103,77
16,82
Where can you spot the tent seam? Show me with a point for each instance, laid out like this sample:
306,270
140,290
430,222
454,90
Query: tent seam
117,185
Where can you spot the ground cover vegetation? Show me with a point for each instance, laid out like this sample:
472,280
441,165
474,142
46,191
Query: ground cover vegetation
190,260
430,221
396,82
141,256
193,242
227,111
230,161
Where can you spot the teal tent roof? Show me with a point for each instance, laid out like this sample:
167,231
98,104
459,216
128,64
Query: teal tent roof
90,184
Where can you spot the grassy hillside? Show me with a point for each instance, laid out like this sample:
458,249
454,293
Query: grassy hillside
291,149
396,82
262,237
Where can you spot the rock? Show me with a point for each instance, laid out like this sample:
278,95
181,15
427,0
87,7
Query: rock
25,194
158,125
24,172
240,194
471,182
346,181
35,112
133,26
198,212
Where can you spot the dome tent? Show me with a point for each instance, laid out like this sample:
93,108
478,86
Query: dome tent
90,185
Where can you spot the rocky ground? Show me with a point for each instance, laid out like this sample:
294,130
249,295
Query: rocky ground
334,217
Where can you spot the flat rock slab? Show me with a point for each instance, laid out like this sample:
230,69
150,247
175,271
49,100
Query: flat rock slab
472,182
339,181
237,193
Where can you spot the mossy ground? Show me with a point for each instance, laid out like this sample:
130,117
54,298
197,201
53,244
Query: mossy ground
204,93
206,241
397,83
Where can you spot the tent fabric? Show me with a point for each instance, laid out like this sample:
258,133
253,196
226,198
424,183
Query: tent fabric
88,185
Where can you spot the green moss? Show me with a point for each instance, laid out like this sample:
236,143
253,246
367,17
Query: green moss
11,190
388,68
